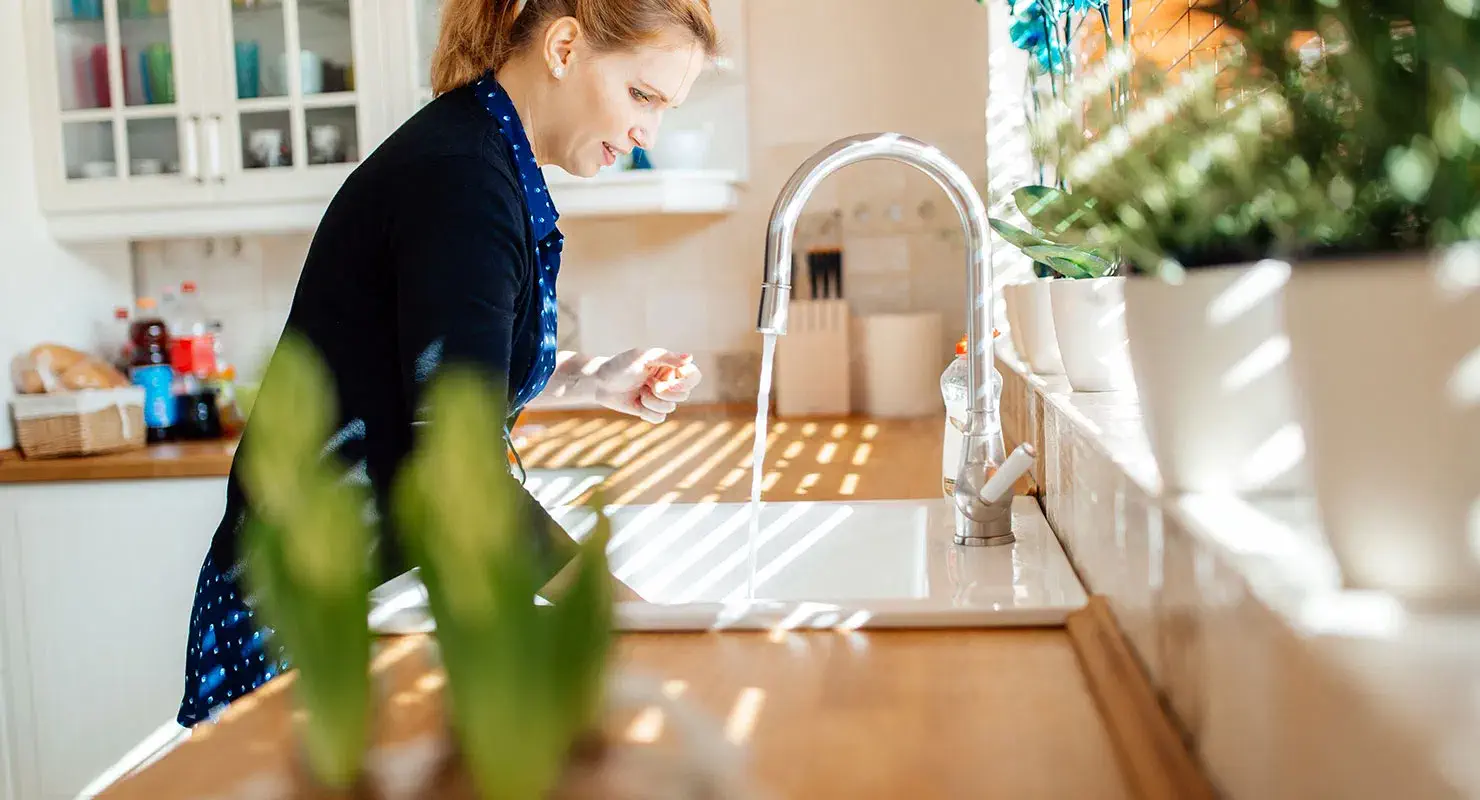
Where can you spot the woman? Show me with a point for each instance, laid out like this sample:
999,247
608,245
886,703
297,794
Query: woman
442,248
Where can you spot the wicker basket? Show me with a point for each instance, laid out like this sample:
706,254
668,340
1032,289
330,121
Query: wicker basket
79,423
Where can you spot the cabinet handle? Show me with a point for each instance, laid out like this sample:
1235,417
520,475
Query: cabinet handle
214,146
192,148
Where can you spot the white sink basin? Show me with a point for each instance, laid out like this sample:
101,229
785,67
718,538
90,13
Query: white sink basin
818,565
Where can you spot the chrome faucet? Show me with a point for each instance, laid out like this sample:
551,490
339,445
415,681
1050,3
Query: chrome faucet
983,493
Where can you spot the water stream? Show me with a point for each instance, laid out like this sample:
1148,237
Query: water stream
758,458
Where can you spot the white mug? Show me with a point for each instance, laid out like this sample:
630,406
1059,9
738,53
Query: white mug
310,71
267,146
325,141
683,149
146,166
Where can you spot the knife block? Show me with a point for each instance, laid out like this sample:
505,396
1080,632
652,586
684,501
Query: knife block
814,360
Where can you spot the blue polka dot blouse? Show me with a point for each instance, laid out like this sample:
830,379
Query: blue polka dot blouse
542,216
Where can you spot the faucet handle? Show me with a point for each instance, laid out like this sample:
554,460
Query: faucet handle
1000,484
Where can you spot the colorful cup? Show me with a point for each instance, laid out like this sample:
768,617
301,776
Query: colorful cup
248,70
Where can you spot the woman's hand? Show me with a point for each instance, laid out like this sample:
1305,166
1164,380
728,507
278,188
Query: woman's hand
646,383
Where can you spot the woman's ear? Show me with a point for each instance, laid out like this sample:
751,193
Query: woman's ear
563,41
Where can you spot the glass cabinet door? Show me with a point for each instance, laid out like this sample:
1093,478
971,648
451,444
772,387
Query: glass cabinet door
121,115
293,66
428,19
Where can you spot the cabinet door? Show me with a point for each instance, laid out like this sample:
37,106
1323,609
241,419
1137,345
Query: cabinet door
107,574
114,103
295,80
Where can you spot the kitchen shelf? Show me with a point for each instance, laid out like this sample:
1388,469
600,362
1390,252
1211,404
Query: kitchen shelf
329,100
104,114
635,192
249,105
150,111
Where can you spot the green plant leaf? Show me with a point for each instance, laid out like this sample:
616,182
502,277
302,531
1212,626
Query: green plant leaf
1016,236
1071,262
305,546
583,629
1063,217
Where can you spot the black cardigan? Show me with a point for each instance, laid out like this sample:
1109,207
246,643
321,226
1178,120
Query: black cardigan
425,250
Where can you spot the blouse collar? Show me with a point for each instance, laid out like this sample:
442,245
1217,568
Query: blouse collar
542,212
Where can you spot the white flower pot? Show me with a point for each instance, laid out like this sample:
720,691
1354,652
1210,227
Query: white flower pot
1211,363
1030,312
1089,320
1386,356
1011,300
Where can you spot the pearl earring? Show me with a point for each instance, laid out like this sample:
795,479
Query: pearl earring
558,72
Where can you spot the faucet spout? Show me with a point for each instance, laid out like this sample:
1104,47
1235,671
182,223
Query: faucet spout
978,521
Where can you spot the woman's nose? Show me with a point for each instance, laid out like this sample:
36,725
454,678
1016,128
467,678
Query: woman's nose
642,137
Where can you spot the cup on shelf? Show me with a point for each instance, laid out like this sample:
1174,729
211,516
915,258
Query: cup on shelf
310,71
87,9
157,66
102,91
94,170
248,70
683,149
146,166
265,147
325,145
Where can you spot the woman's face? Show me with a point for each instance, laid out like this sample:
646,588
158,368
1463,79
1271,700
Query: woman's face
606,104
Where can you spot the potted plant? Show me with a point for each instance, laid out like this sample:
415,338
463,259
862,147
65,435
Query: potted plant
533,708
1383,311
1085,299
1192,188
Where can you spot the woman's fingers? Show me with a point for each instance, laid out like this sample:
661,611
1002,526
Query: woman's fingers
652,402
677,387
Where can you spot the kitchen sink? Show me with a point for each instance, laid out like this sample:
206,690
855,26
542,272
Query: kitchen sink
822,565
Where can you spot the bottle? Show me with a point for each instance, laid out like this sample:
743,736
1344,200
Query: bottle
149,367
192,349
956,392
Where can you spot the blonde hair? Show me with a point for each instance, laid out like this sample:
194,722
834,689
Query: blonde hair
481,35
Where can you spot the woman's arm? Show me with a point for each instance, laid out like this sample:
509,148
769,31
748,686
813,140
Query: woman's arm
648,384
574,376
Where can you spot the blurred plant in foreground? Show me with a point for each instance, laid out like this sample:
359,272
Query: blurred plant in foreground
306,553
1365,139
1385,107
1194,175
525,682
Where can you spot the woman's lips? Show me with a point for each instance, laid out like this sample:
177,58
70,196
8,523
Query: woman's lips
609,154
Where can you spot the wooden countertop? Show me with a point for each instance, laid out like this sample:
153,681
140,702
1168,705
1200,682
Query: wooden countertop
701,453
970,714
824,714
182,460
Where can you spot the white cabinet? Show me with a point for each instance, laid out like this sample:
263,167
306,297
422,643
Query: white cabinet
96,584
170,117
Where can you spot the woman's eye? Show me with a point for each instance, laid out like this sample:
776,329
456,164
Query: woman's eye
639,96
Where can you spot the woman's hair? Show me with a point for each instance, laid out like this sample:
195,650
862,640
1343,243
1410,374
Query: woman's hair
479,35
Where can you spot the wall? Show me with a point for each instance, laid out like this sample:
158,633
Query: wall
818,71
49,293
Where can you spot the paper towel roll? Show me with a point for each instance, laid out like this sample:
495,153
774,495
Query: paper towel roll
902,363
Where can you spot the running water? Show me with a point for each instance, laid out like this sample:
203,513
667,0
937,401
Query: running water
758,457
